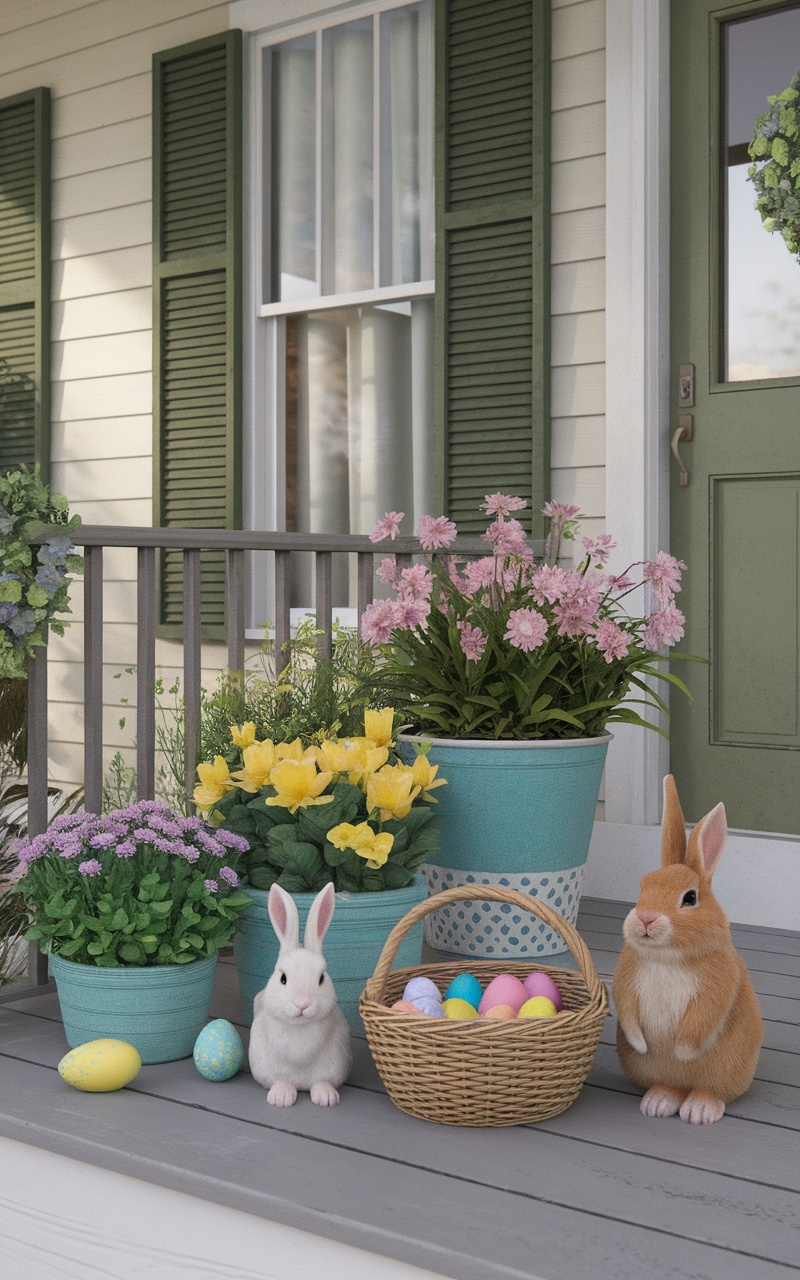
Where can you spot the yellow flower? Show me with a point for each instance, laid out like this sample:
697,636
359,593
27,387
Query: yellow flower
244,737
347,755
363,841
294,751
214,782
298,784
341,837
378,726
378,851
424,774
259,761
392,791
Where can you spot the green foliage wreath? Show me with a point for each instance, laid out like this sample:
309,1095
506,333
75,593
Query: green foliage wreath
775,173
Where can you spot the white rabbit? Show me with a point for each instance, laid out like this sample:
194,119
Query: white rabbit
300,1038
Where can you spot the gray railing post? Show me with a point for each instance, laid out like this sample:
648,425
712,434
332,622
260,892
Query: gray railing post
37,777
93,680
234,609
323,584
146,674
366,582
282,609
191,667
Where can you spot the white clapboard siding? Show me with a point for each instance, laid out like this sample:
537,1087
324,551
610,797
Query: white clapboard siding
578,132
578,81
122,184
129,437
578,235
91,357
126,99
578,286
99,397
87,479
579,338
578,442
579,388
585,486
579,28
106,230
102,148
127,311
16,16
99,273
578,184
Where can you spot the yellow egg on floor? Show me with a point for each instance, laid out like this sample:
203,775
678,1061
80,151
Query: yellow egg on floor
100,1066
538,1007
457,1008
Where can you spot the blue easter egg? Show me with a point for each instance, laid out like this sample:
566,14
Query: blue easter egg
218,1050
421,987
465,987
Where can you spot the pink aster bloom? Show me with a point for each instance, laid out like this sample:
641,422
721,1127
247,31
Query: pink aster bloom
211,885
665,575
612,640
388,527
417,579
378,621
502,504
548,583
508,537
561,511
387,571
599,548
479,575
664,627
619,583
527,629
473,641
436,531
90,868
229,875
576,611
410,611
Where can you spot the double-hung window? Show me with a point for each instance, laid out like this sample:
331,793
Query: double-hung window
344,277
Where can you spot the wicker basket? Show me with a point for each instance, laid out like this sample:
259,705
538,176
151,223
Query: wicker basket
484,1072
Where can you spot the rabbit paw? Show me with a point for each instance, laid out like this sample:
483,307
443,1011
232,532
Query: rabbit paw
282,1094
702,1108
324,1094
661,1101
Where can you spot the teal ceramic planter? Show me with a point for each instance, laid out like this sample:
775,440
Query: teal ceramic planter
515,814
361,924
159,1009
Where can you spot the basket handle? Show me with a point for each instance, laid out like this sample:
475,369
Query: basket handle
377,983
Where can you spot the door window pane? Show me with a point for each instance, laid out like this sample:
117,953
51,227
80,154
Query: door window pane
762,277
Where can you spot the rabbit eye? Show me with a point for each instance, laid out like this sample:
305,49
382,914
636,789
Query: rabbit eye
321,978
689,899
283,979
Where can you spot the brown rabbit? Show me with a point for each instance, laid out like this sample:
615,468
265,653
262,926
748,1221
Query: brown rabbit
689,1026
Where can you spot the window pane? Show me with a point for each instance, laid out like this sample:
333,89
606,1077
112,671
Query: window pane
347,158
762,277
407,144
290,74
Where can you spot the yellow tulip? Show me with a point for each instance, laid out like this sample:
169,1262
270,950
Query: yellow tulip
298,785
259,761
374,848
347,755
215,780
392,791
424,774
378,726
294,751
244,737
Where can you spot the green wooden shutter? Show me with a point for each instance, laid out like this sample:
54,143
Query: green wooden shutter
197,323
25,281
493,252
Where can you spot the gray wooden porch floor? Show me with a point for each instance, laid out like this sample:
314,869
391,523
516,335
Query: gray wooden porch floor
598,1193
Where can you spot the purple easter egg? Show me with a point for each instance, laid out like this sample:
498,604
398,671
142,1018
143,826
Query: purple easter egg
421,986
426,1004
541,984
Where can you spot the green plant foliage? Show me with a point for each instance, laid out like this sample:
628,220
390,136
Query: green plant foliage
776,142
34,578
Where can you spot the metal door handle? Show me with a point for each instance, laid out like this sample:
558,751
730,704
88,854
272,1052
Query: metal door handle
683,435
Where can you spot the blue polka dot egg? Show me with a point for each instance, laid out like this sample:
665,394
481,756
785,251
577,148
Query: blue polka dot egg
218,1050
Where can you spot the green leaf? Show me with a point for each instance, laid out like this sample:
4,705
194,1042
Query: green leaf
780,150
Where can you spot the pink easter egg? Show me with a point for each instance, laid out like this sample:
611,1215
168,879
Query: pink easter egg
404,1006
504,989
499,1011
541,984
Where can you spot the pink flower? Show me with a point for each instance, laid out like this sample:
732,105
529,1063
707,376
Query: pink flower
388,527
436,531
664,627
599,548
211,885
502,504
387,571
473,641
619,583
612,640
527,629
508,537
229,875
411,611
90,868
548,583
417,579
378,621
561,511
479,575
665,575
577,609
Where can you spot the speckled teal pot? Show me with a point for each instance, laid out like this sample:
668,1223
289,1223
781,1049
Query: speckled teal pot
515,814
159,1009
361,924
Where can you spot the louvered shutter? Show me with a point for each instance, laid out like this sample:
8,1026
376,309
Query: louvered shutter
25,281
197,128
493,258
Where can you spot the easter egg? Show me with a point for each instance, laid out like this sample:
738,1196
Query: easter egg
538,1007
426,1004
500,1011
504,989
404,1006
465,987
100,1066
218,1050
541,984
420,986
456,1008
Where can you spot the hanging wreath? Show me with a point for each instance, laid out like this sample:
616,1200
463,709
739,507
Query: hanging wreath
775,149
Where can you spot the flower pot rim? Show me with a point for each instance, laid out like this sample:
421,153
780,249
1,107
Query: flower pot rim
129,968
345,894
506,743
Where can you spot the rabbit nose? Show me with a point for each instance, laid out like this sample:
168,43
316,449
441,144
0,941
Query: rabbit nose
647,917
303,1004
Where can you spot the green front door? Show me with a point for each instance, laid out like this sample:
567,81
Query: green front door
736,523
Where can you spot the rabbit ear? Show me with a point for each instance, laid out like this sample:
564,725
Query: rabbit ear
319,917
707,842
283,914
673,827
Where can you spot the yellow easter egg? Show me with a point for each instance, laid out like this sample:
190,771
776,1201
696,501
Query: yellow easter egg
499,1012
457,1008
538,1007
100,1066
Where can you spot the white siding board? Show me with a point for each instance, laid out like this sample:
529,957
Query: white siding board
111,510
122,184
123,437
99,273
28,13
124,99
103,148
578,286
84,480
95,357
578,132
107,229
579,339
581,28
578,389
112,313
99,397
580,80
578,184
578,442
584,486
578,235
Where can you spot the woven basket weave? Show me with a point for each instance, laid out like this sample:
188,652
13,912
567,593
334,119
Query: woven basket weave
481,1071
